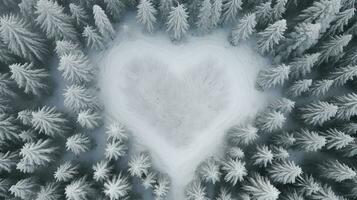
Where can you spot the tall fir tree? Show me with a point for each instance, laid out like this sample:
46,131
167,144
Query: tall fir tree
271,36
78,98
78,14
243,29
309,141
301,66
260,188
336,139
76,68
39,153
273,76
337,171
216,12
284,172
346,106
93,39
231,9
204,17
332,49
317,113
118,187
102,23
146,15
177,23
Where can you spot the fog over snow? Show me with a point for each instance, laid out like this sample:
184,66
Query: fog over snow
179,99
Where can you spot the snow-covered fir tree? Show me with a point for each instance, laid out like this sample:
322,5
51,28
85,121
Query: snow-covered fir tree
39,153
282,105
308,185
93,39
337,171
350,128
78,98
234,170
270,37
25,188
9,128
7,161
49,191
243,135
280,153
308,141
116,131
325,192
76,68
89,119
139,164
284,139
317,113
165,8
321,87
20,39
53,21
270,121
279,9
32,80
79,189
263,156
341,20
235,153
64,47
336,139
264,13
79,14
204,16
149,180
78,143
273,76
102,170
284,172
146,15
162,187
114,150
66,172
332,49
299,87
209,170
102,23
114,8
341,75
117,187
301,66
346,106
6,56
231,9
177,24
260,188
27,8
216,12
224,194
195,190
244,28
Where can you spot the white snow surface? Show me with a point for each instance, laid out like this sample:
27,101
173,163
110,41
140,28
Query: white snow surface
179,99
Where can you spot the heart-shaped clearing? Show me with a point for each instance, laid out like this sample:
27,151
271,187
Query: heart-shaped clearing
178,100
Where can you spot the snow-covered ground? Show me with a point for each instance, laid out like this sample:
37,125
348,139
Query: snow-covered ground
178,99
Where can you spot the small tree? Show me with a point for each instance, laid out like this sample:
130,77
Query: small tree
343,74
27,8
8,128
177,23
50,191
78,143
224,194
341,20
347,106
273,76
333,48
337,139
30,79
216,12
25,188
117,188
117,132
350,128
325,192
243,29
303,65
101,170
165,7
317,113
308,185
7,161
39,153
279,9
263,156
284,139
282,105
139,164
243,135
66,172
271,36
270,121
93,39
64,47
234,170
260,188
79,189
284,172
162,187
264,13
6,55
102,23
337,171
114,8
235,153
320,87
279,153
195,191
22,41
209,170
114,150
89,119
79,14
76,68
79,98
309,140
149,180
299,87
204,17
50,122
146,14
231,10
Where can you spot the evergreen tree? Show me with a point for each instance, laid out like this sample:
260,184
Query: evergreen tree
195,191
79,189
204,17
89,119
17,36
337,171
93,39
273,76
101,170
346,4
165,8
224,195
350,150
53,21
350,128
333,48
78,98
78,143
7,161
304,36
102,23
299,87
66,172
29,78
231,10
234,170
279,153
117,132
317,113
28,135
149,180
27,8
50,191
114,8
284,139
177,23
50,122
343,74
162,187
301,66
25,188
270,121
263,156
5,54
271,36
279,9
284,172
39,153
264,13
349,57
114,150
308,185
146,14
8,128
235,153
347,106
320,87
139,164
260,188
325,192
79,14
323,12
336,139
341,20
309,140
243,135
216,12
117,188
209,170
243,29
64,47
282,105
76,68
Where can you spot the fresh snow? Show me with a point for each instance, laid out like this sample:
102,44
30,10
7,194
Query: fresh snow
179,99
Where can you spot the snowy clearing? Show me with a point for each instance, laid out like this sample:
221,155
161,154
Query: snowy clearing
178,99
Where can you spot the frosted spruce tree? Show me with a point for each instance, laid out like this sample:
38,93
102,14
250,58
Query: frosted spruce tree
301,66
49,191
244,28
341,75
114,150
309,141
332,49
64,47
165,8
177,24
270,121
273,76
299,87
346,106
235,153
76,68
78,143
20,39
7,161
117,187
39,153
271,36
89,119
116,131
282,105
102,171
264,13
146,15
114,8
243,135
66,172
216,12
25,188
284,172
195,190
32,80
209,170
79,189
78,98
341,20
263,156
93,39
162,187
279,9
234,170
336,139
9,128
231,9
317,113
139,164
260,188
336,171
321,87
78,14
53,21
204,17
102,23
